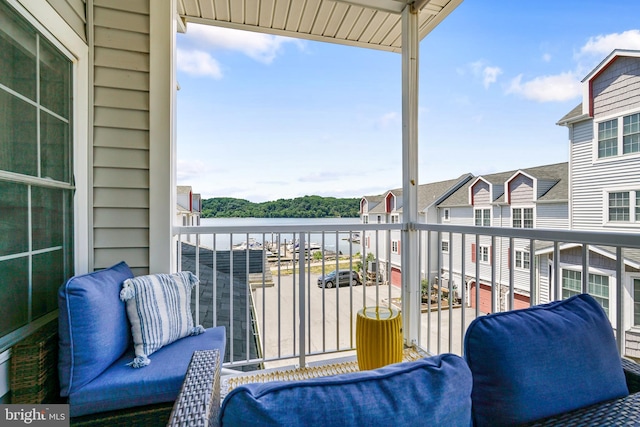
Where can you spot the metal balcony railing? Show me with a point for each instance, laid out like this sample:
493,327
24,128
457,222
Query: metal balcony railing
263,284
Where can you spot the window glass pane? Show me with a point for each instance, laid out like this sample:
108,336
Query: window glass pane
528,217
608,138
619,206
55,79
599,289
517,218
631,134
636,302
18,142
14,231
48,217
14,288
54,148
48,275
571,283
478,218
17,54
486,213
637,205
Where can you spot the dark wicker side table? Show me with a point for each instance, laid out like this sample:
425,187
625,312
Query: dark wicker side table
198,403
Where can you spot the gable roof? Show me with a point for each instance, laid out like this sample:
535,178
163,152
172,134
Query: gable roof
374,24
428,194
558,172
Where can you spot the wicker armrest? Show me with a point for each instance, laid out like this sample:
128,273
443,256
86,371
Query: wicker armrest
632,374
198,403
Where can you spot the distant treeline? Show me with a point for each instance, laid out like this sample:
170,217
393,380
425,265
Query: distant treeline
300,207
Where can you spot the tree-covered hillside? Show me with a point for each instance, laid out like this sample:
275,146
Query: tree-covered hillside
300,207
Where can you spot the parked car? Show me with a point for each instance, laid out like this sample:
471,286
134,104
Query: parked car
345,277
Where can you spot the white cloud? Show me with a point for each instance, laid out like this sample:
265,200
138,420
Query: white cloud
566,85
546,57
261,47
603,45
560,87
198,63
187,170
487,73
490,75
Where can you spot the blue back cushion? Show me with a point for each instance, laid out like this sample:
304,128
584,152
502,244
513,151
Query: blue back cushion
541,361
93,326
431,391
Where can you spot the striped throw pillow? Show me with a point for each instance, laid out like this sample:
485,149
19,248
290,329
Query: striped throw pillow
159,310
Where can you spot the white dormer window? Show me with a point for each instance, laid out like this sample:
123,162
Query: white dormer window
445,215
365,219
395,218
522,217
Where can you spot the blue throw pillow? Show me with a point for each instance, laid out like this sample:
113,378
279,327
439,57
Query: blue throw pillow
92,326
541,361
159,309
432,391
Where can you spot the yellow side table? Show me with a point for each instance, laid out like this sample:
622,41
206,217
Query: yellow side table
378,337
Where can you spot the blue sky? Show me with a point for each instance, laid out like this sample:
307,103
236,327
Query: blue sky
262,117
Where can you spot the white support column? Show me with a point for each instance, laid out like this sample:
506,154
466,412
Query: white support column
409,245
162,182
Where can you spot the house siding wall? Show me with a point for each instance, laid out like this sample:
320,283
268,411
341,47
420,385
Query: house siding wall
552,215
121,134
618,87
521,190
481,194
73,12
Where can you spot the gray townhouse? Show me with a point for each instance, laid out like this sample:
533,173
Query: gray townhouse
604,185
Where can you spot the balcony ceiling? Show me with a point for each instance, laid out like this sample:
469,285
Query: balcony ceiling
365,23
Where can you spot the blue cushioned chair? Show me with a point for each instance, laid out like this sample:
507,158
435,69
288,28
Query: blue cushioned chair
541,361
95,347
432,391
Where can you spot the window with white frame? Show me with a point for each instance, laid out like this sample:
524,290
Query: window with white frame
482,217
522,259
597,287
395,218
445,246
619,135
608,138
379,219
365,219
445,215
484,254
36,177
623,206
394,246
522,217
636,302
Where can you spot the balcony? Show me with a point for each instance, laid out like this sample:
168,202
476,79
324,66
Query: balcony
278,316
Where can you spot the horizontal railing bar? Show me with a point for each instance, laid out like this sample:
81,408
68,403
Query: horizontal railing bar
289,228
627,240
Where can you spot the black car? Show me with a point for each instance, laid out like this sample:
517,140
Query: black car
345,277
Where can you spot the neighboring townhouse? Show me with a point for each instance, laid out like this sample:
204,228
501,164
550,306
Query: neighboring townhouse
604,155
527,198
387,209
188,206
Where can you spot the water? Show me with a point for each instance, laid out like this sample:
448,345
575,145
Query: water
330,243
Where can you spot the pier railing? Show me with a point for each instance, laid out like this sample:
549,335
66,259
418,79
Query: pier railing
268,295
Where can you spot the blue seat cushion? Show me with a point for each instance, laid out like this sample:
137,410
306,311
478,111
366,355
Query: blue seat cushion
541,361
93,326
121,386
431,391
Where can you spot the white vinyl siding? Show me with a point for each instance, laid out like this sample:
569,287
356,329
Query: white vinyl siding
73,12
121,134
